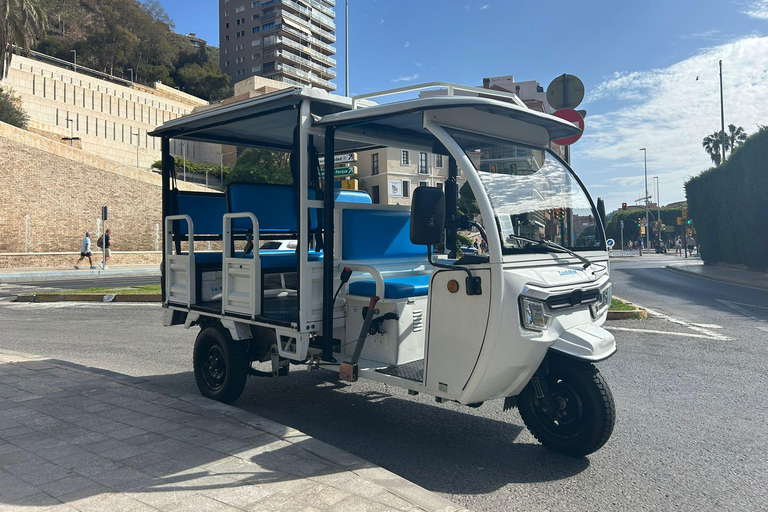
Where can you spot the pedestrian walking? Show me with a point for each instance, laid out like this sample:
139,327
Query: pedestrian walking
678,246
691,244
85,250
105,243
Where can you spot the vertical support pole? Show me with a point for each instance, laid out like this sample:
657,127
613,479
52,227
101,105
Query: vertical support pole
167,168
346,48
328,244
451,191
722,115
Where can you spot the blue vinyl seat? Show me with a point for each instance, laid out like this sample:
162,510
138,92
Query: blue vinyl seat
394,287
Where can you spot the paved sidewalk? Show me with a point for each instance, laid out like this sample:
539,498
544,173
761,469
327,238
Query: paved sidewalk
78,438
740,276
12,275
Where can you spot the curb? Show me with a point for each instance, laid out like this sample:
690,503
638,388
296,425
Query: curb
638,313
74,297
680,269
397,485
65,275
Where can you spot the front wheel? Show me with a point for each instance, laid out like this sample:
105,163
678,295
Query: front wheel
221,364
579,418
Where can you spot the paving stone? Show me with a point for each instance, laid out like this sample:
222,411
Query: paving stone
144,459
227,445
237,495
126,432
35,501
122,478
194,436
45,474
201,503
16,490
68,484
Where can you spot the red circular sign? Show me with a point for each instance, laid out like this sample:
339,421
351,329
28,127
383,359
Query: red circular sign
573,117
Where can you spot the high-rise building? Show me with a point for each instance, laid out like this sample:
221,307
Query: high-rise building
289,41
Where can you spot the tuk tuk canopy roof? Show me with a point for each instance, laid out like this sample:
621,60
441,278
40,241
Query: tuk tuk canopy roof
269,121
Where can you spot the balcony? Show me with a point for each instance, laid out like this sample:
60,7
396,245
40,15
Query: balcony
328,61
316,30
321,7
308,38
313,78
324,71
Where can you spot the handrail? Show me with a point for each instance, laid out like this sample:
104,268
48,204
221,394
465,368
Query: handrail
368,269
451,87
190,257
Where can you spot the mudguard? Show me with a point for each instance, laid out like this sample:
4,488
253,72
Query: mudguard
587,341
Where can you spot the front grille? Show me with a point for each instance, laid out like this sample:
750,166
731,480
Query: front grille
573,299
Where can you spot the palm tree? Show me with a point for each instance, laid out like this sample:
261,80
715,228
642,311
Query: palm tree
20,22
712,145
736,137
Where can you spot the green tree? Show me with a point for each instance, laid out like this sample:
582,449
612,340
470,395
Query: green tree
21,21
205,81
466,203
713,146
11,111
260,166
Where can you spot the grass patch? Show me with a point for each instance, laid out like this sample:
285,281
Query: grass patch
145,289
618,305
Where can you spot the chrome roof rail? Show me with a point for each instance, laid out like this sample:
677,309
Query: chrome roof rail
359,101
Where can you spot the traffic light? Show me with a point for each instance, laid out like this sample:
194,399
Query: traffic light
688,222
623,206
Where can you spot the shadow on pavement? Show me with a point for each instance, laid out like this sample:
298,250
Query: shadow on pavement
445,448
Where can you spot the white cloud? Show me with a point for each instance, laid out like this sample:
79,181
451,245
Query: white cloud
706,34
408,78
407,44
485,6
669,112
381,22
757,9
467,6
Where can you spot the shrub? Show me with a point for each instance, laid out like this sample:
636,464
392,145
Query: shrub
727,204
11,111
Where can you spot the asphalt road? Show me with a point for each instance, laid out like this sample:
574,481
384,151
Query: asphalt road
688,384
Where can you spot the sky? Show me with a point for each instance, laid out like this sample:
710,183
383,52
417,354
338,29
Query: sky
650,69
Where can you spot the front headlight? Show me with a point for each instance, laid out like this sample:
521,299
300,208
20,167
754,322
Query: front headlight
534,314
603,301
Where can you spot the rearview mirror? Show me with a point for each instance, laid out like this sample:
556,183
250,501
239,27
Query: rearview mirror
427,216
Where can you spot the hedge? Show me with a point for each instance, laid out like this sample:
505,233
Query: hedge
728,205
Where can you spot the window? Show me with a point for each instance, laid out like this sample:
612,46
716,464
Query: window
254,17
375,163
423,163
226,38
239,9
255,42
226,63
226,25
438,160
255,30
269,54
226,13
375,190
240,72
406,188
255,69
440,185
238,22
405,157
269,67
268,26
255,4
226,51
423,183
254,56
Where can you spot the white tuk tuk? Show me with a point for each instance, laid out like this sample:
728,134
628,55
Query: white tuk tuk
366,295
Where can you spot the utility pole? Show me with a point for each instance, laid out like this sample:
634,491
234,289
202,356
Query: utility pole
722,112
75,63
346,48
645,166
131,70
658,207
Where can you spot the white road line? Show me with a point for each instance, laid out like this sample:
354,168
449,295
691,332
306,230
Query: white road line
705,332
737,306
665,333
709,326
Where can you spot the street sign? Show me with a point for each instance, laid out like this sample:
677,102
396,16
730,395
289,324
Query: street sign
341,171
565,91
583,113
610,243
679,221
348,184
574,117
341,159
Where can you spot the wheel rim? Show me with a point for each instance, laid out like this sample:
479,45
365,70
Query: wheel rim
214,368
568,420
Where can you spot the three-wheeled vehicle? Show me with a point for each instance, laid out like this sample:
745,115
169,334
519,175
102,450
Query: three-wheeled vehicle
375,291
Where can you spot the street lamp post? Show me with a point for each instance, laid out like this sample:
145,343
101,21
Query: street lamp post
658,207
71,131
346,48
131,70
138,143
645,167
722,112
75,62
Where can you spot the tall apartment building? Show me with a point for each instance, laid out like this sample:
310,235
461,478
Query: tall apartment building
286,40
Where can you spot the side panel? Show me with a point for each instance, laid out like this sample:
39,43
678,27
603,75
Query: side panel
456,330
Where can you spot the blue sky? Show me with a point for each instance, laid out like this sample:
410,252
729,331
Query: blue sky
638,60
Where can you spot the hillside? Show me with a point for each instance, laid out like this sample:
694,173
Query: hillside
116,36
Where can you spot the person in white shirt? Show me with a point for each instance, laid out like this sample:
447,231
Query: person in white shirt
85,250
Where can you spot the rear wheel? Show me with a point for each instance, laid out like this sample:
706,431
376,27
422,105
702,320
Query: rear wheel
579,418
220,364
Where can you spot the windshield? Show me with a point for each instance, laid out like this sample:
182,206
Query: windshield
533,195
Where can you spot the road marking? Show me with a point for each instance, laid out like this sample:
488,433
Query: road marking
704,332
737,306
653,331
709,326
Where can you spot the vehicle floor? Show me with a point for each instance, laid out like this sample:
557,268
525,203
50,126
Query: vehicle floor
411,371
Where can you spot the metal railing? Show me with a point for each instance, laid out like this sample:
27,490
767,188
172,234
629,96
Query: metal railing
450,91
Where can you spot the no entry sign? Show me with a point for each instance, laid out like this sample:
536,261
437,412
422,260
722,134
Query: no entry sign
574,117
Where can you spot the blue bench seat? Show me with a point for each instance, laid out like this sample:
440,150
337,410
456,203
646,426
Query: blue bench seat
394,288
270,260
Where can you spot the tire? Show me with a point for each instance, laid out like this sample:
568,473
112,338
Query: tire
221,364
586,414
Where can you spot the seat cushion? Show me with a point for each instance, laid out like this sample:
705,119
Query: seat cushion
394,288
271,260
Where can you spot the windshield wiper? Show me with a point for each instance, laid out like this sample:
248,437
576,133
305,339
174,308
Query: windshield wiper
547,243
